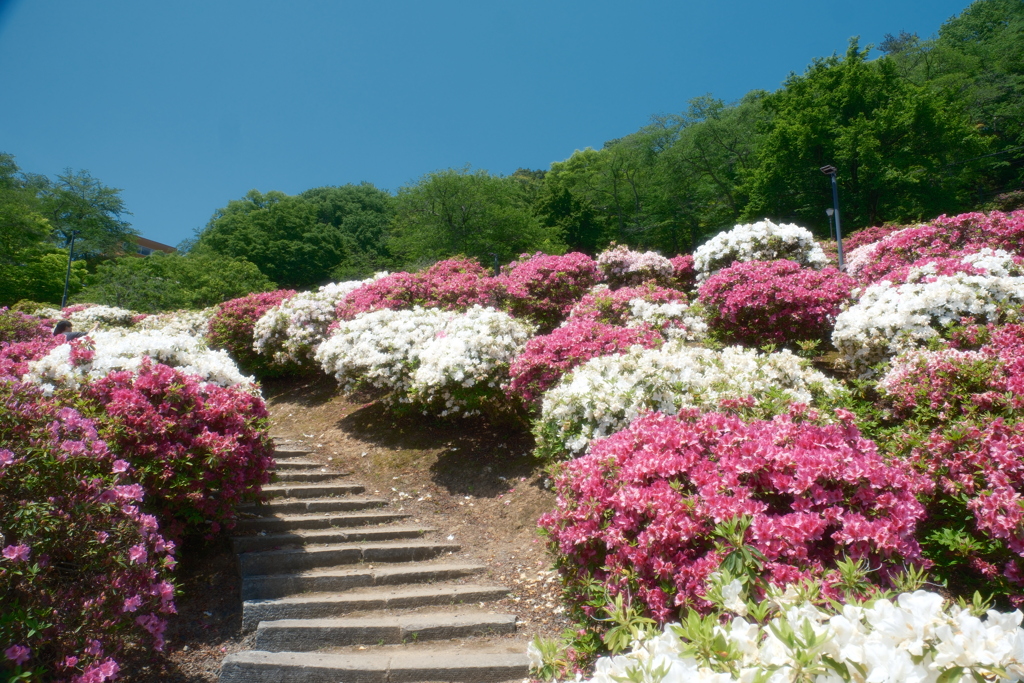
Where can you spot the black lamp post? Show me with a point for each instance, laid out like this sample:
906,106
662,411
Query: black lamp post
831,172
67,276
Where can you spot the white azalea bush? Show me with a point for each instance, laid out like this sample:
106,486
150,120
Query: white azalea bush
916,638
761,241
105,316
605,394
622,267
102,352
291,331
888,319
193,323
675,319
443,362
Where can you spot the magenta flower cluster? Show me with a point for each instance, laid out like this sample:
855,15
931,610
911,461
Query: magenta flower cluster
543,288
231,329
612,305
198,449
18,327
83,570
638,512
944,237
684,272
779,302
454,285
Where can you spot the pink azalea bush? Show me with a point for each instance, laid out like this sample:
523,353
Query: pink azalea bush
18,327
453,285
198,449
944,237
866,236
83,571
231,329
638,513
623,267
611,306
15,356
684,272
546,358
779,302
543,288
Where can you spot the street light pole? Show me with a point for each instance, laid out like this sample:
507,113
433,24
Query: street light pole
831,172
67,276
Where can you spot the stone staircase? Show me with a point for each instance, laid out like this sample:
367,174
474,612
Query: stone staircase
338,588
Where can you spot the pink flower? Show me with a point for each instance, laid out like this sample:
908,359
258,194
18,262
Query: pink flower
137,554
133,603
17,553
19,654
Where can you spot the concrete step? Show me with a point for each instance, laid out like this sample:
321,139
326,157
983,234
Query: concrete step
312,490
310,557
314,505
328,605
307,476
321,520
290,451
403,665
268,586
297,464
307,635
244,544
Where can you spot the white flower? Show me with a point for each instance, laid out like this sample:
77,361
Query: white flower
761,241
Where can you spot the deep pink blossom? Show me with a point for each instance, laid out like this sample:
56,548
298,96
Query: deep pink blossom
231,329
19,654
543,288
17,553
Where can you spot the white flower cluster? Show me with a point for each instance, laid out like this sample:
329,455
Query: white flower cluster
888,319
995,262
605,394
104,315
291,331
676,319
916,639
621,265
194,323
424,355
124,350
761,241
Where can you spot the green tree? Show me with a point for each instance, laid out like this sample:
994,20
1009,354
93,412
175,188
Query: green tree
467,212
898,147
78,203
361,214
164,282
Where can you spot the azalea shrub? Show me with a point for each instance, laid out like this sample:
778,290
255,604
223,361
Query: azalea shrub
82,360
889,318
684,272
761,241
613,306
83,571
605,394
290,332
231,329
85,316
914,636
547,357
15,357
641,513
622,267
453,285
543,288
774,302
197,449
941,238
16,327
445,363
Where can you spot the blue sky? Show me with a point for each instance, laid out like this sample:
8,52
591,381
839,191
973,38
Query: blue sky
187,105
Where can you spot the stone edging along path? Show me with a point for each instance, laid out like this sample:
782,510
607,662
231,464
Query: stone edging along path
338,587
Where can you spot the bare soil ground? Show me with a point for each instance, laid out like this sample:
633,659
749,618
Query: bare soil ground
474,482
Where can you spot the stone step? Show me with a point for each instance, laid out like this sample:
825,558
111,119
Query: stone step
306,635
314,505
404,665
312,490
244,544
268,586
291,451
310,476
328,605
296,464
320,520
310,557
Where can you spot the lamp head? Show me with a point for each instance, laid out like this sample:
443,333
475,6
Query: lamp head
830,211
828,170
